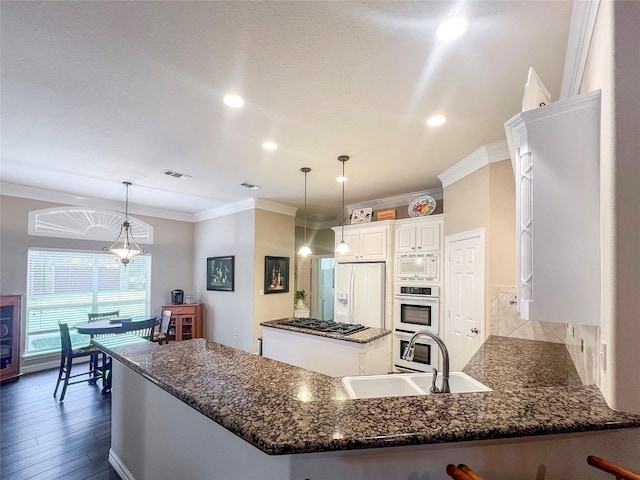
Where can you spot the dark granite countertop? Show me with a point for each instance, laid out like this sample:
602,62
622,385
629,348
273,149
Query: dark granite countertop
282,409
364,336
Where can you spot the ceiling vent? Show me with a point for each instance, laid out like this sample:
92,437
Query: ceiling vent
174,174
250,185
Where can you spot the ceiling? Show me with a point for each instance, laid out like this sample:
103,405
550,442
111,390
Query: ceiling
96,93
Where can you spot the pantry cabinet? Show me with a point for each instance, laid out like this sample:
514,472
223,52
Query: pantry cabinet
555,154
186,322
417,235
366,242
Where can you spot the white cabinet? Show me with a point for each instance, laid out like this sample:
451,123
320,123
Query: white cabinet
418,235
555,153
365,242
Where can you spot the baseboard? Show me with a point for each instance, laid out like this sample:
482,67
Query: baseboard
119,467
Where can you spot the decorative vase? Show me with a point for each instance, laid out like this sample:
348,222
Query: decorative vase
300,305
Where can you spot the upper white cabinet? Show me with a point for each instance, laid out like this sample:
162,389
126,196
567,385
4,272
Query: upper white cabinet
366,242
418,235
555,154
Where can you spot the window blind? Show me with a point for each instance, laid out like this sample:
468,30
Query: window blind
66,285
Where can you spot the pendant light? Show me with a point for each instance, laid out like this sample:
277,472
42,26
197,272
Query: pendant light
128,247
304,249
342,247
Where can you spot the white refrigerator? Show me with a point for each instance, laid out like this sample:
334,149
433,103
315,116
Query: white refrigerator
359,294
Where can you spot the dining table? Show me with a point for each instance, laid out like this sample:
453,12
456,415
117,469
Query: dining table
101,328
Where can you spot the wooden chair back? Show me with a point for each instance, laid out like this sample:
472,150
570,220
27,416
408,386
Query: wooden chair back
620,473
462,472
143,328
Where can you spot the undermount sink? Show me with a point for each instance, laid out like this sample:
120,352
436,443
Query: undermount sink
404,384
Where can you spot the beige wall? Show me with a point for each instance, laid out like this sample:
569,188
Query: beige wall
613,65
502,223
275,236
486,199
171,252
321,242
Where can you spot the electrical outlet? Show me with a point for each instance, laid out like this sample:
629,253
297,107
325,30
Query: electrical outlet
235,334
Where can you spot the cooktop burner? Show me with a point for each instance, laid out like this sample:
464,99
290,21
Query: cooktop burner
325,326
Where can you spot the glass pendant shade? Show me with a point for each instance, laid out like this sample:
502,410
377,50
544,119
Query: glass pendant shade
304,249
342,247
125,247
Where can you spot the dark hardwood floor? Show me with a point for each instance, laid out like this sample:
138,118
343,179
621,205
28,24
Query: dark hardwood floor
41,438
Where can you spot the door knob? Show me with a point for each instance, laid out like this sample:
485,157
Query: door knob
474,330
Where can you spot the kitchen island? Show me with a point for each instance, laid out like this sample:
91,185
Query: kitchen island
365,352
203,410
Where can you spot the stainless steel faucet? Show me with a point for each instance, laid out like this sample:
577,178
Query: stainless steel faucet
408,355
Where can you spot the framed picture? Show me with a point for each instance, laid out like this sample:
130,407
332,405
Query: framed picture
276,274
220,273
361,215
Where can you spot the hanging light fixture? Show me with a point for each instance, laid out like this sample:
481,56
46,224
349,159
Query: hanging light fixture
304,249
342,247
128,247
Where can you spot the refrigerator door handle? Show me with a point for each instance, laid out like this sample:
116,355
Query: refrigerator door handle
352,282
342,298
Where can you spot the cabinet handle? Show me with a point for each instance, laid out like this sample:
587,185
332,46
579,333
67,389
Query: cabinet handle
474,330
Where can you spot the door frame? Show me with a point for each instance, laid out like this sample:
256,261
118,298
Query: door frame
448,240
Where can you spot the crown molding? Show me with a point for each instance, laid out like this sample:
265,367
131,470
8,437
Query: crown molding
583,21
45,195
248,204
493,152
275,207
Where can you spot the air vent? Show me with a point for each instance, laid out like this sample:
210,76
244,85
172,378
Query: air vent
174,174
250,185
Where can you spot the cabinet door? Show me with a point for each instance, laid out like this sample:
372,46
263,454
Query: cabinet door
405,239
373,244
428,237
351,239
9,337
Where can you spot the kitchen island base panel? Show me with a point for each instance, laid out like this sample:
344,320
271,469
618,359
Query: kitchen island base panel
155,436
333,357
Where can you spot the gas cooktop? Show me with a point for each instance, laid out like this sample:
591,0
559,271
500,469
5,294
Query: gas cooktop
325,326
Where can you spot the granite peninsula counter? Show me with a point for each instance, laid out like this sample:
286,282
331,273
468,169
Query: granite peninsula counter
281,410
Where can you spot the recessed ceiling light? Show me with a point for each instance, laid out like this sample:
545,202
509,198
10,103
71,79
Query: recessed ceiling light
452,27
232,100
436,120
269,146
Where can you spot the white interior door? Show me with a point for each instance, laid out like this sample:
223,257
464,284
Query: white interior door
464,295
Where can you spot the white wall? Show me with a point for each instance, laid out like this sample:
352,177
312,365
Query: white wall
228,315
613,65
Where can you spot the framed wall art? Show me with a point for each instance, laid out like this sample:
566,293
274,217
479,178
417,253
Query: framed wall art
276,274
220,273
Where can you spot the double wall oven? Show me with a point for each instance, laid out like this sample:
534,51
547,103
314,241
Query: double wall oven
416,307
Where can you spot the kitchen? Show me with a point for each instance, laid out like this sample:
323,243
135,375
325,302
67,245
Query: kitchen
243,334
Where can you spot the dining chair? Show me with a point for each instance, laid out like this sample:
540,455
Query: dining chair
67,355
142,328
619,472
162,335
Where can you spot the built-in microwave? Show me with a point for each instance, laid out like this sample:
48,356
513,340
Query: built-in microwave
418,267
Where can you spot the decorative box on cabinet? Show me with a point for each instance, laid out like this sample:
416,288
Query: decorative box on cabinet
186,321
555,152
417,235
366,242
9,337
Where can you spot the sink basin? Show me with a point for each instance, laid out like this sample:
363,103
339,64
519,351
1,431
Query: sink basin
403,384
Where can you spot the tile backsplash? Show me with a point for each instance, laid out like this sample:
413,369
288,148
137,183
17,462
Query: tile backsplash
581,341
505,321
